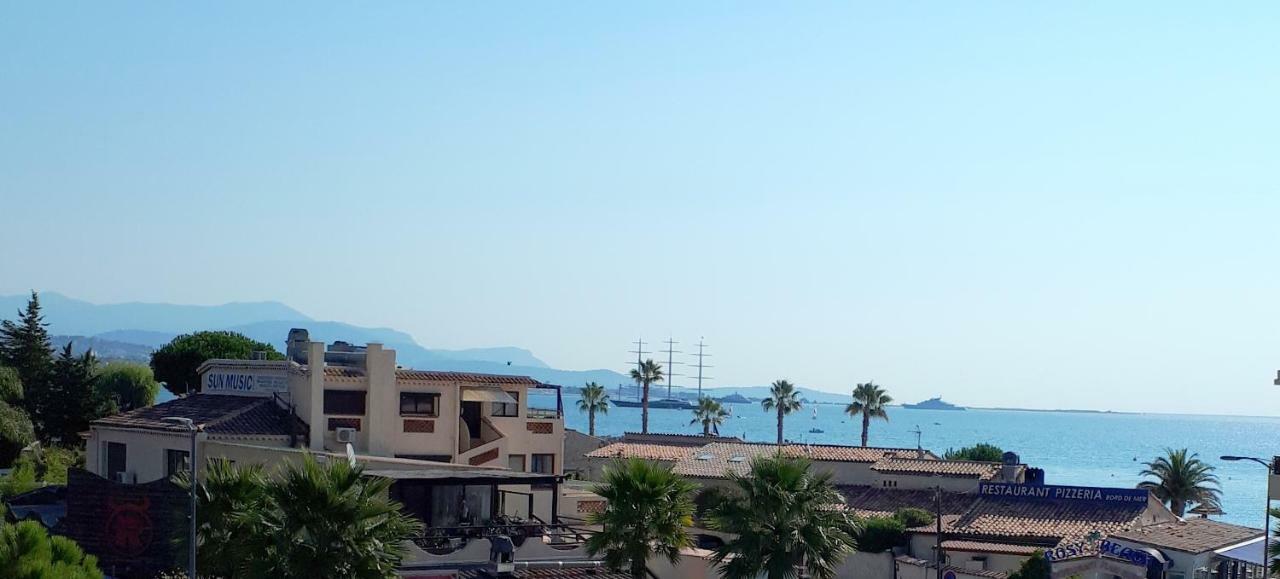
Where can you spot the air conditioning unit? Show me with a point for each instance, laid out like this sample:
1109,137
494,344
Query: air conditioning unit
345,434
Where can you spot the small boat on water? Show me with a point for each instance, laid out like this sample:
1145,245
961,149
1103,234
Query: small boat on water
816,430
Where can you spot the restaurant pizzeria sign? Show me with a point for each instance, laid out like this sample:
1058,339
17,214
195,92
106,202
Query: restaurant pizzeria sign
1063,493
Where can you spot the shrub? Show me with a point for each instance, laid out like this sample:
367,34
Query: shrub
981,452
20,480
912,518
881,534
27,551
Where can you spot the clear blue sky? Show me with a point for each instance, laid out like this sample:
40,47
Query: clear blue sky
1050,205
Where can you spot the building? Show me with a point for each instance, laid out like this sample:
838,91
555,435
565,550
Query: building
1201,548
326,399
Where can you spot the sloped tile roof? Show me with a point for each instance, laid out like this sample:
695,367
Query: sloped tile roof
868,501
896,464
984,547
562,573
667,452
1042,521
435,376
1190,536
675,438
215,413
717,459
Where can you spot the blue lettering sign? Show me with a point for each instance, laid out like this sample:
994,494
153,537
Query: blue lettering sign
1051,492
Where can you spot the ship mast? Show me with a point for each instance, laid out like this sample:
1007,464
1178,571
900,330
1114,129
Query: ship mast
671,369
701,354
639,352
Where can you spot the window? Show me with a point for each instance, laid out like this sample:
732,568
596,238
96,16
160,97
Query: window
544,463
344,402
176,461
516,462
116,455
507,409
419,404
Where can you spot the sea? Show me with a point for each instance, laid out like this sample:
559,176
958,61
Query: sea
1073,448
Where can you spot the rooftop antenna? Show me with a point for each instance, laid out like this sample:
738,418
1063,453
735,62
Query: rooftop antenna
639,352
671,371
701,354
918,433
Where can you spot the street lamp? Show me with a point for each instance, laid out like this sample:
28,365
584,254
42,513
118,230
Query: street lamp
1266,533
191,548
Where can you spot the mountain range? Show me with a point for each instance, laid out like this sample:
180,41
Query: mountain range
130,331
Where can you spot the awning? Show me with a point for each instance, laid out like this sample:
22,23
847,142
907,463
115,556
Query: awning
1250,552
487,395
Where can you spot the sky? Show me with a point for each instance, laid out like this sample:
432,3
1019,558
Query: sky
1051,205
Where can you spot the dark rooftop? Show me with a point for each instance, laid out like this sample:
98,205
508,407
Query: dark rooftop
215,413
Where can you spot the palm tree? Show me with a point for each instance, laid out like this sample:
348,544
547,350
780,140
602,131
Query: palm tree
1180,479
648,373
783,398
648,508
1274,548
869,401
313,520
593,399
783,519
710,413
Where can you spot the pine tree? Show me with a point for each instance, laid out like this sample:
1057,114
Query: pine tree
25,347
75,400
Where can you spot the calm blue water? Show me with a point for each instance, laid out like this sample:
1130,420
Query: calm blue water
1072,448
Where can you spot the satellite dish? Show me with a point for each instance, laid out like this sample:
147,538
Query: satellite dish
351,454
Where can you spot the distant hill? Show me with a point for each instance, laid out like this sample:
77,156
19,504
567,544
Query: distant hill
70,316
131,331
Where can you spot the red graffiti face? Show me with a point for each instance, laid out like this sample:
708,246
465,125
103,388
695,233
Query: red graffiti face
129,528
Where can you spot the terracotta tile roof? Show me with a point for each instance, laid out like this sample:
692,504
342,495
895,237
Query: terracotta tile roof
1190,536
715,460
867,501
675,439
895,464
215,413
983,547
562,573
960,571
667,452
435,376
1042,521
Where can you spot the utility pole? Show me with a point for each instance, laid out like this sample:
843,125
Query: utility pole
700,356
671,369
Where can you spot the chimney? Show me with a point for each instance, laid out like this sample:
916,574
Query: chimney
314,411
296,345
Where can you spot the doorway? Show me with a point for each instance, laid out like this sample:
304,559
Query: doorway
471,416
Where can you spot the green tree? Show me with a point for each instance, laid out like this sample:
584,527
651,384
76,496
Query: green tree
16,430
25,347
982,452
20,480
648,508
784,399
912,517
782,516
711,414
1181,478
645,375
78,401
869,401
175,363
315,520
1035,567
127,385
27,551
1274,548
879,534
592,400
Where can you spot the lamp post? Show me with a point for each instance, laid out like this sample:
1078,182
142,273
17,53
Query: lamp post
191,540
1266,532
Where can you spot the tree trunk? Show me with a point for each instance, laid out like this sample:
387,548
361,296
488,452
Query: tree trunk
1179,507
706,428
644,409
866,425
591,422
780,426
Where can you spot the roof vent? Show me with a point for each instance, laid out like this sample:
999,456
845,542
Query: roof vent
706,456
737,458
